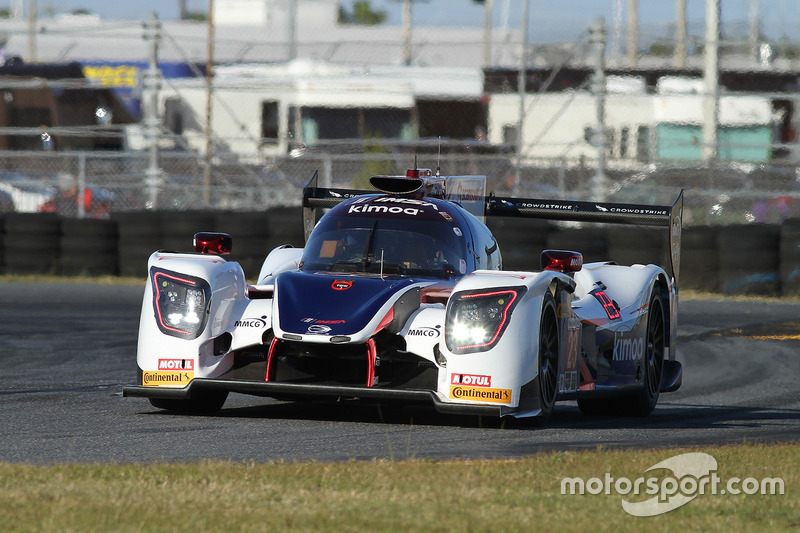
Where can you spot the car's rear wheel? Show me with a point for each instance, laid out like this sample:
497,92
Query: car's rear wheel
655,346
643,402
208,403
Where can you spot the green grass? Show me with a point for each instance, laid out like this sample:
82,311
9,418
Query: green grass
418,495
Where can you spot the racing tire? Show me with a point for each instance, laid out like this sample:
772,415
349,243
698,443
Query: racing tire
643,403
547,378
209,403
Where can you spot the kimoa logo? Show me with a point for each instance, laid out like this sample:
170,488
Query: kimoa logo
395,210
628,349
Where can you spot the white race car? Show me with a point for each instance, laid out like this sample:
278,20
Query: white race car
400,296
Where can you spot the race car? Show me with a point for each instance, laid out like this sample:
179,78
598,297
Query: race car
399,296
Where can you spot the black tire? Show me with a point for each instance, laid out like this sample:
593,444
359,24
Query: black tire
700,258
643,403
32,223
547,380
90,228
210,403
636,245
600,406
749,258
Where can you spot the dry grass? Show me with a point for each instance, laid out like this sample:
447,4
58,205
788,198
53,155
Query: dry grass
419,495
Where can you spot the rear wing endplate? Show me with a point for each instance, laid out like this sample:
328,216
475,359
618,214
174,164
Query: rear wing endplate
605,212
315,197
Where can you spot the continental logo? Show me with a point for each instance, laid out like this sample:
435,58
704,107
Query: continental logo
166,379
477,394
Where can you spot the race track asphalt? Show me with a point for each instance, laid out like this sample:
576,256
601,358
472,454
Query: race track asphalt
67,350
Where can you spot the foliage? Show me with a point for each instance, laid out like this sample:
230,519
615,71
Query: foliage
372,167
362,14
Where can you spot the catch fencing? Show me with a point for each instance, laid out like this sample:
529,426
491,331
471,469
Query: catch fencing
99,184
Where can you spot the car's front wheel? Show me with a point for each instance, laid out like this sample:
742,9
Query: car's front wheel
208,403
548,357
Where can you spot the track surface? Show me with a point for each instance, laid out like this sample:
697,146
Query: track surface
67,350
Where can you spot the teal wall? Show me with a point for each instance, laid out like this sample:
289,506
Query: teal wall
741,143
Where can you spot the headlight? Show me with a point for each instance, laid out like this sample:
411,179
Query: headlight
180,303
476,319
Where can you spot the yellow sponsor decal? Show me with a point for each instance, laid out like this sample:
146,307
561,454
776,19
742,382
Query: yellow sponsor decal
125,76
480,394
166,379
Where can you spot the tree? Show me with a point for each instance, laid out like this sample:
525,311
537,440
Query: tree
362,14
373,167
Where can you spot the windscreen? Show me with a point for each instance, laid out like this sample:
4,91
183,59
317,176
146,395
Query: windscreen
392,246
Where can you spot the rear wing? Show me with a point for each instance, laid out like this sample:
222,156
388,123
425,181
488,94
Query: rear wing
315,198
605,212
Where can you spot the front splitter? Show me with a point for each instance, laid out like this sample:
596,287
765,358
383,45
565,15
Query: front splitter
198,386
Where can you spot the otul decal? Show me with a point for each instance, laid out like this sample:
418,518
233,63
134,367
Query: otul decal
176,364
471,380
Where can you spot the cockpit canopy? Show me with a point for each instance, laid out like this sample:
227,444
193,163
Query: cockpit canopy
388,235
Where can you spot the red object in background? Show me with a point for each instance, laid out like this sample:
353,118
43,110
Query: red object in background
66,203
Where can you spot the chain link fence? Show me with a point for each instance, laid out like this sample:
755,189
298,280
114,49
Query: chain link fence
68,175
98,184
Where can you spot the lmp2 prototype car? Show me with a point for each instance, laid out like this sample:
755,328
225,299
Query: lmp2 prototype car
399,296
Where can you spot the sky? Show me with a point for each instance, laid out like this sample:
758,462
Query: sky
548,18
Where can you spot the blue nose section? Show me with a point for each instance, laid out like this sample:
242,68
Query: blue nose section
324,304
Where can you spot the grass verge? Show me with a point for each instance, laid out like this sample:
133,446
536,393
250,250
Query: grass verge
417,495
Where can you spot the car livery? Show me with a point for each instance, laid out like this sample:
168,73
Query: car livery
399,296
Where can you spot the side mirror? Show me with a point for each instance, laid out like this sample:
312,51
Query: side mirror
207,242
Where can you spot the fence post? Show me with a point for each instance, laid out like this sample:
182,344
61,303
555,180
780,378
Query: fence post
81,196
327,171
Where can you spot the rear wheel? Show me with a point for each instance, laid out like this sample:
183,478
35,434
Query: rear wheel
210,402
643,402
655,346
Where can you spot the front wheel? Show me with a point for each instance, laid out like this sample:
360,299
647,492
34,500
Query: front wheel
547,380
208,403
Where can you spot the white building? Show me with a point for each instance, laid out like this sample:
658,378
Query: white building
640,126
264,110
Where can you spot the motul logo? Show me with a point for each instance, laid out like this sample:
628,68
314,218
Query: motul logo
176,364
471,380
